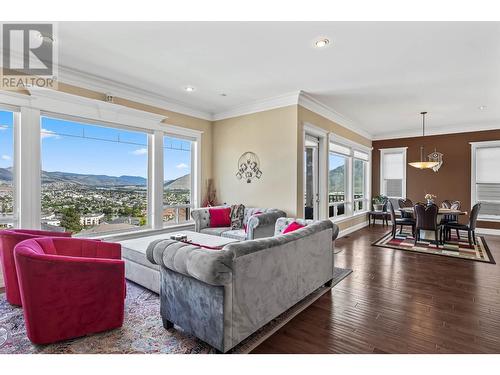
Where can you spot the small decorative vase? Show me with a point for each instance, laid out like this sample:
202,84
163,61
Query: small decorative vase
378,207
430,202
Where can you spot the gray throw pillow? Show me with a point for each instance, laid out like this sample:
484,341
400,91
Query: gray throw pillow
237,216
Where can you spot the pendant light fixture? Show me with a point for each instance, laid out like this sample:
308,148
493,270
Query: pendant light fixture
422,164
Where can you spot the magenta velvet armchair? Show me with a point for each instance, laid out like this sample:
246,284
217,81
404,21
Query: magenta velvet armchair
8,240
70,287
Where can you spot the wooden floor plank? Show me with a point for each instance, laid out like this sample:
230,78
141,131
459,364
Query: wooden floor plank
399,302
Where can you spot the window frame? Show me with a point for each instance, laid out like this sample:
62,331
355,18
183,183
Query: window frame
394,150
346,202
16,114
195,190
349,209
474,147
82,109
110,125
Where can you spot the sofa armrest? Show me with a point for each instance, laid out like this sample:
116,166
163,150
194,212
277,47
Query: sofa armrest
210,266
262,225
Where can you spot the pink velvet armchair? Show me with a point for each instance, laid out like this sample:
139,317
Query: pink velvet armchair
70,287
8,240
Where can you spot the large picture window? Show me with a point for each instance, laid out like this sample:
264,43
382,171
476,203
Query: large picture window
94,177
337,184
348,185
7,217
486,179
178,181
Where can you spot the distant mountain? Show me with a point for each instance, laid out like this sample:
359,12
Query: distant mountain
336,179
80,179
181,183
6,174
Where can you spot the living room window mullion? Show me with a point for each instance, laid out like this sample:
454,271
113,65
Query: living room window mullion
155,201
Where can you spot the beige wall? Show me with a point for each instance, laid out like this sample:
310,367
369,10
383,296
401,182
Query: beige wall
272,135
276,136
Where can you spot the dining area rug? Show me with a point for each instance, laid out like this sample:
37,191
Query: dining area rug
454,247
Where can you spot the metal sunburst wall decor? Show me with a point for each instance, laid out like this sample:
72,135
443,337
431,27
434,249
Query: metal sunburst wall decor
436,157
248,167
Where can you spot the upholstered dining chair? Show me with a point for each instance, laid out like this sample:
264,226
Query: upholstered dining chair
450,218
405,203
70,287
400,222
426,216
470,228
9,238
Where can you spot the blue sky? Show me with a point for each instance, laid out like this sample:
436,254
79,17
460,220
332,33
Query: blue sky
6,139
64,149
335,161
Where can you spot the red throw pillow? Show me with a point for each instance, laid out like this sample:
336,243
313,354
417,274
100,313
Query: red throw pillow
293,227
254,214
220,217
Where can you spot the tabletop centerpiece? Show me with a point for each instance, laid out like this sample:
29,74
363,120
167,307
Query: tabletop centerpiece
430,198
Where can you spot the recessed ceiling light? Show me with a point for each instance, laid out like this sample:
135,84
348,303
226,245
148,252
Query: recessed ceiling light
189,88
482,107
321,43
223,94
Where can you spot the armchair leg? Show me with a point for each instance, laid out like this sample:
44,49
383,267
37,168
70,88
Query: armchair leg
458,234
167,324
469,234
474,237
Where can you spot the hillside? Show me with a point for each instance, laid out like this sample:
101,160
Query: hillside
80,179
181,183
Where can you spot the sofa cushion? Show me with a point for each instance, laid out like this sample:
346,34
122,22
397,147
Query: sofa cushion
292,227
237,234
284,222
220,217
237,215
215,231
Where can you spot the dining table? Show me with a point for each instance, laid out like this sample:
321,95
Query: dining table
429,234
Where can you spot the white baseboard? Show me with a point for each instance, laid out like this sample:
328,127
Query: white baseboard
354,228
491,232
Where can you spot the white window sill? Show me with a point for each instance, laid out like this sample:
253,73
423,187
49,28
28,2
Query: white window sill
343,218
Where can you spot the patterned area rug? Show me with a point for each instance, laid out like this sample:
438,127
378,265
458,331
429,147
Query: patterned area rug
142,331
452,248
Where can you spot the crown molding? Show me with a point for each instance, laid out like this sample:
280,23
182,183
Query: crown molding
92,82
314,105
259,106
447,129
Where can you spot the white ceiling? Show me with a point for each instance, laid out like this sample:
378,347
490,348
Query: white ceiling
379,75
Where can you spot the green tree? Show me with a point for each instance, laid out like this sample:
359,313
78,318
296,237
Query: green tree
71,220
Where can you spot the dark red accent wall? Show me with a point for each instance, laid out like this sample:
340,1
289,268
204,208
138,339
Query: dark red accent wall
452,181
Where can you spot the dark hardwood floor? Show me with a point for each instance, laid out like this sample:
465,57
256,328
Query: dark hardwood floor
399,302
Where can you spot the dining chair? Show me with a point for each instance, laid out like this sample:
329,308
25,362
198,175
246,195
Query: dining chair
405,203
470,228
426,216
400,222
450,218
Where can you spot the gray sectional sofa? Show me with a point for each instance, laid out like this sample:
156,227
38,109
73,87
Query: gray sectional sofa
258,226
224,296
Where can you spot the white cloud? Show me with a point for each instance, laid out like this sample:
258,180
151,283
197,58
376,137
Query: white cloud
48,134
6,157
140,151
182,166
